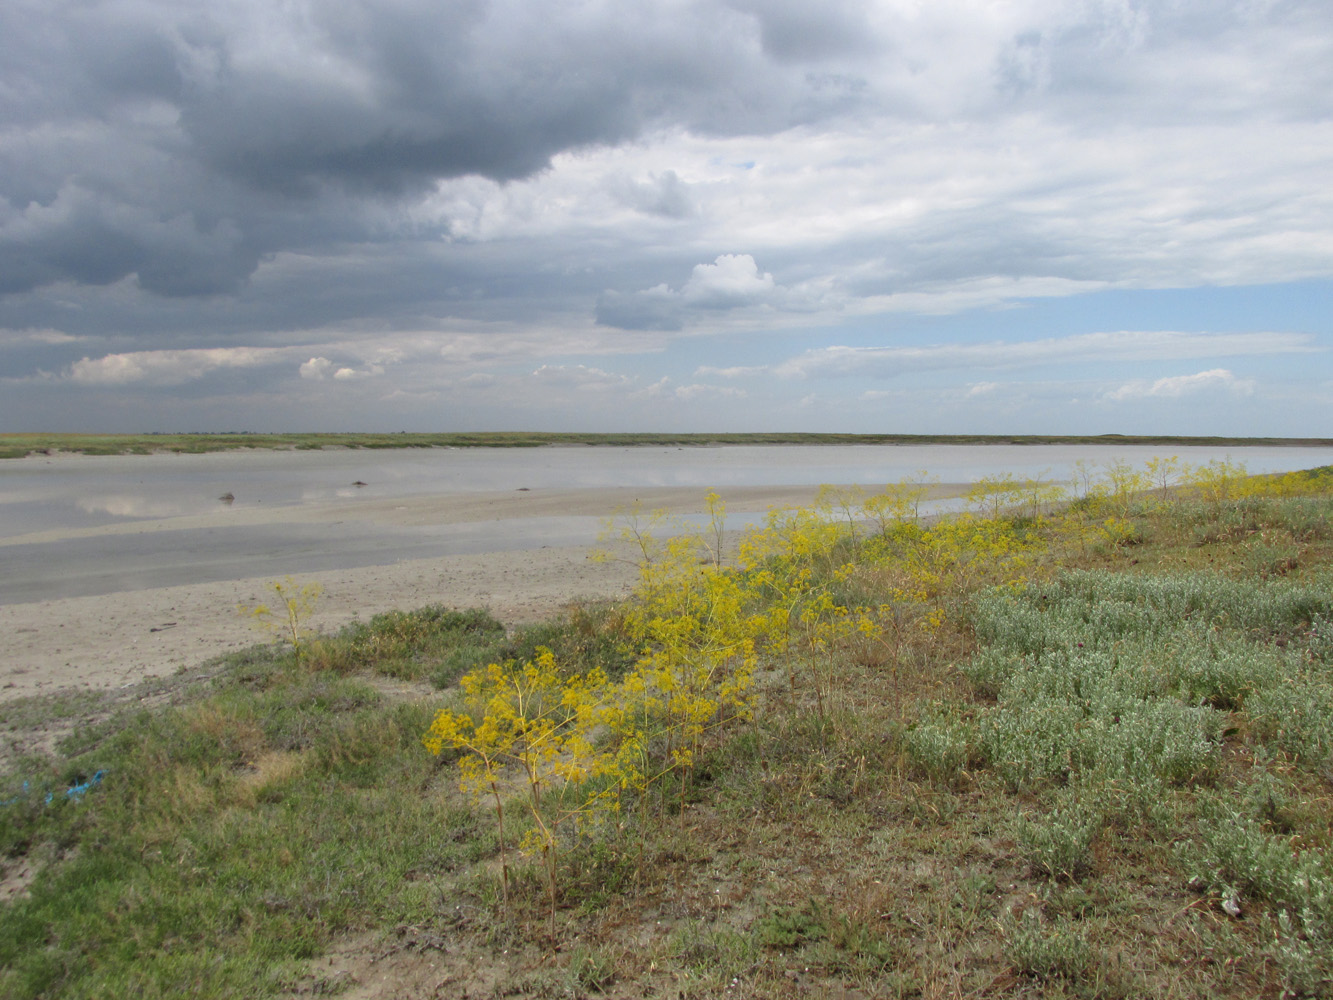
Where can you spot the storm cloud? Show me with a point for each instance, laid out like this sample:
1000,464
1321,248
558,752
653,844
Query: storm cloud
181,142
424,205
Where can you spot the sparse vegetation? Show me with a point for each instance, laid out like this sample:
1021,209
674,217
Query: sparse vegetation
1056,746
20,445
285,619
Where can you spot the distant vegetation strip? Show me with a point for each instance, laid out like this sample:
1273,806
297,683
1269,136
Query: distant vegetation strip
21,445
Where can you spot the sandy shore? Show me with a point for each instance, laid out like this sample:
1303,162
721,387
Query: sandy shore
117,639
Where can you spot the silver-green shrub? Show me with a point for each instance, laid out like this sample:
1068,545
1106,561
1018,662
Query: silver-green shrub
940,742
990,668
1030,744
1139,742
1044,950
1058,845
1236,856
1111,691
1224,671
1295,715
1321,638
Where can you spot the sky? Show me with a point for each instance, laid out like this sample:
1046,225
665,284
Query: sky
880,216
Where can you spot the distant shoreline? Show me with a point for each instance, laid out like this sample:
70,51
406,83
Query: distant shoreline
36,443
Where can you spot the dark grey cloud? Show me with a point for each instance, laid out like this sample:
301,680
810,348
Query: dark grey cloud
796,31
180,143
664,194
92,240
485,187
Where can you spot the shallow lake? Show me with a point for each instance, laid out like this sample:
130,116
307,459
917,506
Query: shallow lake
91,496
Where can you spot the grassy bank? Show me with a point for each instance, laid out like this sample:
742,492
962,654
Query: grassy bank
1058,746
21,445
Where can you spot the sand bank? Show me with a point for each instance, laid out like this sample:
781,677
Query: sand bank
116,639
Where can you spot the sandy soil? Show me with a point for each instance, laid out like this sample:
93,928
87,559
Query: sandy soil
118,639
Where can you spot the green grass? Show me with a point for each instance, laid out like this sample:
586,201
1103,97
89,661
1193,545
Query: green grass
20,445
1110,779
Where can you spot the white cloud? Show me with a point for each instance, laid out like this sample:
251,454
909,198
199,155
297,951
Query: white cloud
347,374
664,389
732,281
1175,386
702,391
658,390
315,369
1128,345
319,368
49,337
581,377
167,367
511,342
736,371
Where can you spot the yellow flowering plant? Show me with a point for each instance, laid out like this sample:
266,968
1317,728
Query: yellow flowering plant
285,619
530,721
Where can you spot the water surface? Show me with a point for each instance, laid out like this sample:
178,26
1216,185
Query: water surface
94,492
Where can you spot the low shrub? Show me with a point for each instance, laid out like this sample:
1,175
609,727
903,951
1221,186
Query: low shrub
1058,845
1045,950
940,742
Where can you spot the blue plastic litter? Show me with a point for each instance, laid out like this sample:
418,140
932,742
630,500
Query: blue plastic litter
10,802
74,792
77,791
